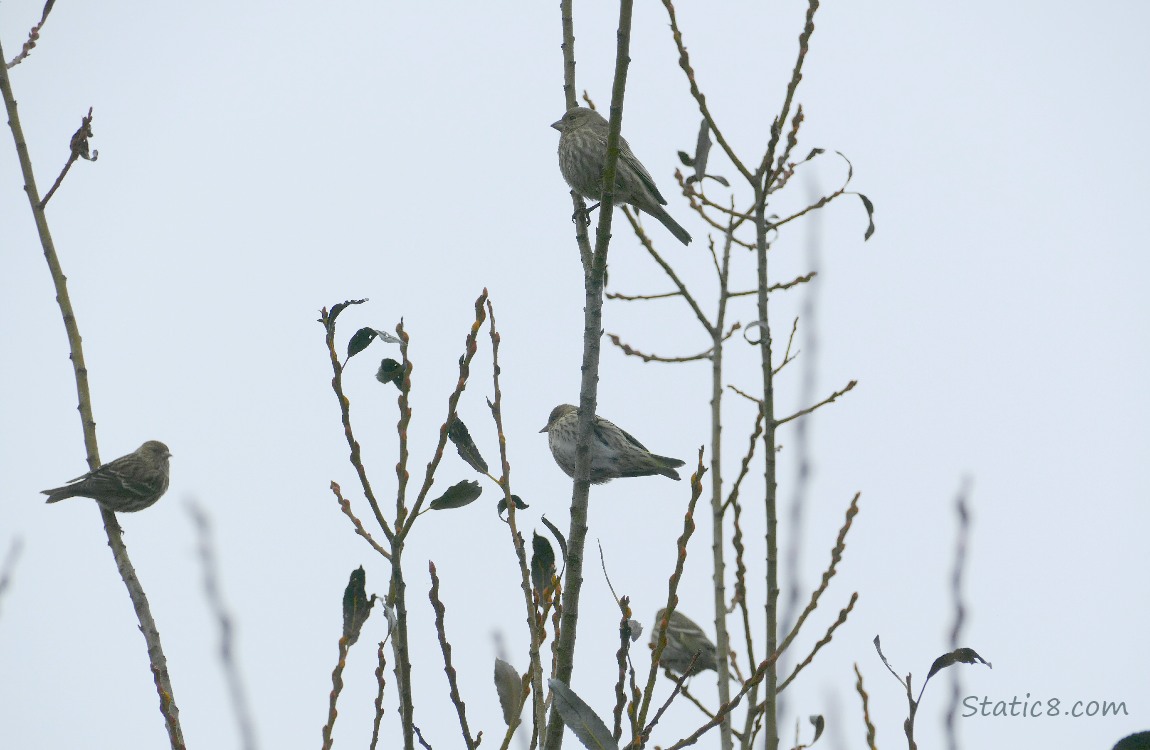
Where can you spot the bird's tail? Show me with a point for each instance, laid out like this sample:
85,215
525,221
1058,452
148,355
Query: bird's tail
672,226
667,466
58,494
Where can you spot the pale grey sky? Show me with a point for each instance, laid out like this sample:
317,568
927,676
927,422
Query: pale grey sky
261,160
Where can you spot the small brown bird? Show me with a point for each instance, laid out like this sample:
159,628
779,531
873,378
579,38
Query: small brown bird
685,639
130,483
614,453
583,154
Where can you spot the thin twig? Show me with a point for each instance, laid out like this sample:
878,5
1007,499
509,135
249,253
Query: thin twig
381,656
534,626
828,400
78,148
632,352
9,566
841,619
238,695
345,506
870,731
828,574
445,647
673,586
336,689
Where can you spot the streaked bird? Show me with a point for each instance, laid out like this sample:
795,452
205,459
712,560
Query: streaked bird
685,641
614,453
128,484
583,155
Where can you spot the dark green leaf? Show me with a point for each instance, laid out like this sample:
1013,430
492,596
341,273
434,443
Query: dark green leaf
457,495
580,719
509,687
542,566
719,179
360,341
356,605
686,159
463,443
390,371
814,152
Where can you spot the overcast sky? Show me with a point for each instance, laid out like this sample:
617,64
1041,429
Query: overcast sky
259,161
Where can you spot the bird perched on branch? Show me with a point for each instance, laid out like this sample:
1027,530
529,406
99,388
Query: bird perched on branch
685,641
128,484
583,154
614,453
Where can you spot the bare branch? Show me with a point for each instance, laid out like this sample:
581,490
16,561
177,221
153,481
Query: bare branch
828,400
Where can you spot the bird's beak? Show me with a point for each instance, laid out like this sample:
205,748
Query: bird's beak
545,428
558,125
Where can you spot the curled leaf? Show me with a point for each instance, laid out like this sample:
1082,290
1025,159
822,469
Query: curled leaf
463,443
457,495
869,214
390,371
958,656
519,504
819,724
558,536
340,307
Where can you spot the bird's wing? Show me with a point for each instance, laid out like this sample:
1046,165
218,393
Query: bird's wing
627,156
115,479
630,438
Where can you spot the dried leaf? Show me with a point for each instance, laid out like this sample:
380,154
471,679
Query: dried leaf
340,307
356,605
958,656
702,151
558,536
519,504
819,724
869,214
509,687
580,719
463,443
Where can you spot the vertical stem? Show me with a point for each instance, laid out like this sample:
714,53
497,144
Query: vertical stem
159,664
770,681
723,666
403,659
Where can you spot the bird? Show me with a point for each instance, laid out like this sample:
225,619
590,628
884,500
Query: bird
583,154
685,641
126,485
614,453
